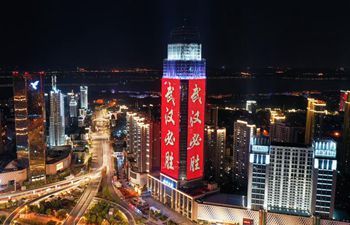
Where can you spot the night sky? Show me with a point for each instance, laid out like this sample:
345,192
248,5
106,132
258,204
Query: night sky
64,34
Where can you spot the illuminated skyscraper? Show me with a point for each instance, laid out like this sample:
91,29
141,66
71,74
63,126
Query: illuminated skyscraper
182,120
30,122
290,178
258,179
316,110
73,105
242,133
56,134
324,177
84,97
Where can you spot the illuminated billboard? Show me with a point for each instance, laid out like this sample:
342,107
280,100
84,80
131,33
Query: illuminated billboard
195,135
170,127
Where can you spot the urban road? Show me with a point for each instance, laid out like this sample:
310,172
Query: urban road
14,214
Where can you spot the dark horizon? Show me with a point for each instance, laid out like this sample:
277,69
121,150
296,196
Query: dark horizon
60,35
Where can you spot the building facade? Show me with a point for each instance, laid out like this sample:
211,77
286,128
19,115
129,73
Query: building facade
73,105
242,133
30,123
316,111
84,97
258,176
324,177
57,116
286,133
215,144
139,136
290,178
182,121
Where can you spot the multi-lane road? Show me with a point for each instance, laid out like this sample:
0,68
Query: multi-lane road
83,202
15,213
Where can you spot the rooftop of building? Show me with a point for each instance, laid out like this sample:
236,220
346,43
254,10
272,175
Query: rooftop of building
224,199
285,144
57,155
184,34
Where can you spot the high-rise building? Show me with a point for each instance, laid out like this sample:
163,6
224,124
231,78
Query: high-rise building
139,136
250,106
143,142
345,156
215,144
258,179
73,105
242,133
182,121
324,177
183,108
57,118
30,122
316,111
286,132
84,97
290,178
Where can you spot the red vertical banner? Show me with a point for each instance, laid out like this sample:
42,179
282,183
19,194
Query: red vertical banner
195,138
170,112
343,99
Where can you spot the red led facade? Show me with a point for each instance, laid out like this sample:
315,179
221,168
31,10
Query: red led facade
195,135
170,127
343,99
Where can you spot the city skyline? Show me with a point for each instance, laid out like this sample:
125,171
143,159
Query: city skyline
100,144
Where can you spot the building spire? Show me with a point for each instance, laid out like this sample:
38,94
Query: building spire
53,81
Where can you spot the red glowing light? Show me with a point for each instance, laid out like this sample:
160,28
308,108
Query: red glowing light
170,127
195,138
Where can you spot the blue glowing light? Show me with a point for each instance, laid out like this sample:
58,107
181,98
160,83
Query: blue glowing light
34,84
168,183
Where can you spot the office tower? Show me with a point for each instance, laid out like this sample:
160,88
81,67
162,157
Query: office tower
316,110
182,109
84,97
139,136
242,132
57,121
30,122
258,180
250,106
73,105
345,156
290,178
324,177
215,144
20,101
